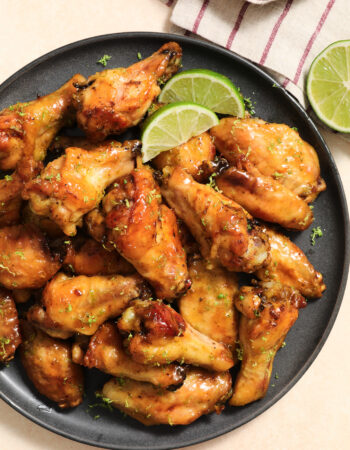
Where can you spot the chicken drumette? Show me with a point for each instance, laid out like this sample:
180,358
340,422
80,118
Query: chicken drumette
105,351
160,335
269,310
219,225
81,304
74,184
145,232
275,173
201,393
48,364
116,99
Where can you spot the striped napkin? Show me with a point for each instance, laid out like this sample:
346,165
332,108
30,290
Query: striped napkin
283,36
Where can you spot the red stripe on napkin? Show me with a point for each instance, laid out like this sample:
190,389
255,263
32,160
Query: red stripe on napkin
237,24
200,16
311,42
275,31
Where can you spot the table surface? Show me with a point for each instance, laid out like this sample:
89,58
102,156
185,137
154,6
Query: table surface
315,414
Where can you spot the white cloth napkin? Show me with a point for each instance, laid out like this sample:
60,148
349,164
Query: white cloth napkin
283,35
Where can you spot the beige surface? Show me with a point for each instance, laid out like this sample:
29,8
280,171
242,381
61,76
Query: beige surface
315,414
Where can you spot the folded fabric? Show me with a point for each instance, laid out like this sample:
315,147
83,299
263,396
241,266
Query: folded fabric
283,36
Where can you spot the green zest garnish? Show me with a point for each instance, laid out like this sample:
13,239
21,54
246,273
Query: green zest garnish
316,232
104,60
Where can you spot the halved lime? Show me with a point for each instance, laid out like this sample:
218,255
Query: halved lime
328,86
207,88
173,125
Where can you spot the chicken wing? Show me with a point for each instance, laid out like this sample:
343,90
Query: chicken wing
88,257
269,310
145,232
74,184
276,150
105,352
26,129
81,304
26,261
208,305
201,393
116,99
290,266
219,225
48,364
10,337
158,334
10,199
190,156
264,197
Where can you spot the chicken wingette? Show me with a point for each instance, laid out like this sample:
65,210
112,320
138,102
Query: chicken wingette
158,334
219,225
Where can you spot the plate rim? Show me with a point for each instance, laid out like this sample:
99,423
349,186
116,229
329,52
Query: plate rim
344,210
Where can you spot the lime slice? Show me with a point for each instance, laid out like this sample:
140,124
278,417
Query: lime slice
173,125
207,88
328,86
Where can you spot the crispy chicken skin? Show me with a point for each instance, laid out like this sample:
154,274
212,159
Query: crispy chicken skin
276,150
201,393
160,335
145,232
116,99
10,199
269,310
48,364
26,261
10,337
219,225
74,184
81,304
208,305
88,257
190,155
290,266
26,129
265,197
106,352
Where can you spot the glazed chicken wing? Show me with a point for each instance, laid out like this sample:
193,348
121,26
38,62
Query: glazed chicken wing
10,337
275,173
145,232
219,225
105,352
88,257
26,261
290,266
74,184
190,156
81,304
10,199
116,99
48,364
208,305
269,310
26,129
160,335
276,150
201,393
264,197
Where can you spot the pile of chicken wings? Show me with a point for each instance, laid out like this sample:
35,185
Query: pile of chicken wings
135,269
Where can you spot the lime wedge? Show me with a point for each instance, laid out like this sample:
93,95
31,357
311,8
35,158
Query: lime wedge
328,86
207,88
173,125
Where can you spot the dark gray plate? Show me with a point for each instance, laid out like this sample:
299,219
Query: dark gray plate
330,254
